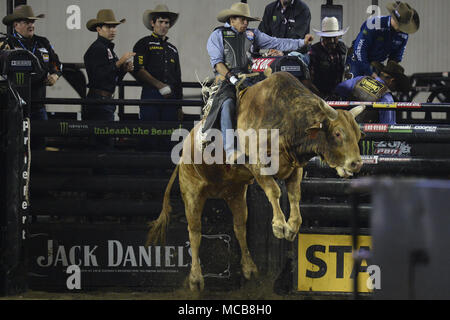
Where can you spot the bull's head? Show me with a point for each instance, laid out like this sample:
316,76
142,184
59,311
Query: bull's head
337,139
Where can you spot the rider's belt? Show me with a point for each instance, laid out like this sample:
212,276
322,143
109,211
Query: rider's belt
102,93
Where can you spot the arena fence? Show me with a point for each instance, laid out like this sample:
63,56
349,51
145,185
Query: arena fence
325,205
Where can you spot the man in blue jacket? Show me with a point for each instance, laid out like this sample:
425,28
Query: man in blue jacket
376,89
382,38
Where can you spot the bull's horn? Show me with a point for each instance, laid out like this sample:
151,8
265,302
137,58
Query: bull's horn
357,110
331,113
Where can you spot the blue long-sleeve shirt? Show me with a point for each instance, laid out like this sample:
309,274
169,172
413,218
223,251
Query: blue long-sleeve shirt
345,90
261,40
376,41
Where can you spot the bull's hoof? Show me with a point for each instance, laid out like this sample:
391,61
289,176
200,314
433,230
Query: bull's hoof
292,227
289,234
249,270
196,283
278,231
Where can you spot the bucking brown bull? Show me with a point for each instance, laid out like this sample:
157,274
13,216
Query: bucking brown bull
307,127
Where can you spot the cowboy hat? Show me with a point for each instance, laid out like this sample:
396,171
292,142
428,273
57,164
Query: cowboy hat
19,13
237,9
406,17
160,9
395,70
104,16
330,28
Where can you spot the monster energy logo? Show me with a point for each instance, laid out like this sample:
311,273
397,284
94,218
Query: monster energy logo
64,126
367,147
20,78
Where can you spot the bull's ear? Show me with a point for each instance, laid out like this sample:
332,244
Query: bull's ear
314,130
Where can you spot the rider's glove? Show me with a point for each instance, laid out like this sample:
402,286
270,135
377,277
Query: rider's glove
232,78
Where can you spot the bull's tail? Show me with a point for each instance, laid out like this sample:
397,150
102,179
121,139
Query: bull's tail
158,227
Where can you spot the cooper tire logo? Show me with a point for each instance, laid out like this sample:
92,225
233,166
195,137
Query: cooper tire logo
20,78
64,126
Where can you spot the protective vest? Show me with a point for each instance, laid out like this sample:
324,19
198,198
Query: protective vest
369,89
237,49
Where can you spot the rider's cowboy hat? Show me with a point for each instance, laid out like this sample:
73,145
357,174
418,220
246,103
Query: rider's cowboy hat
330,28
395,70
21,12
104,16
160,9
407,18
238,9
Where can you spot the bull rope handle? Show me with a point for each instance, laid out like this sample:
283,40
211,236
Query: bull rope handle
243,76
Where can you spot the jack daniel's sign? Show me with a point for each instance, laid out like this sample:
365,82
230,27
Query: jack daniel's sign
117,256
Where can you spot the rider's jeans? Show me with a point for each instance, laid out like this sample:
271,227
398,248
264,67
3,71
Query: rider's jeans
226,122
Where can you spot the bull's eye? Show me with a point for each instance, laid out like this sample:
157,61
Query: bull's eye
337,134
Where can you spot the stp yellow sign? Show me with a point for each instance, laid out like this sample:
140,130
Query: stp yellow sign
325,263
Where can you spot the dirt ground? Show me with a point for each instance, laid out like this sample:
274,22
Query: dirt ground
130,295
250,291
176,295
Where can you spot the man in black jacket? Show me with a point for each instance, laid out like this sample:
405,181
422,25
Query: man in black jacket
157,65
327,57
286,19
103,67
23,37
